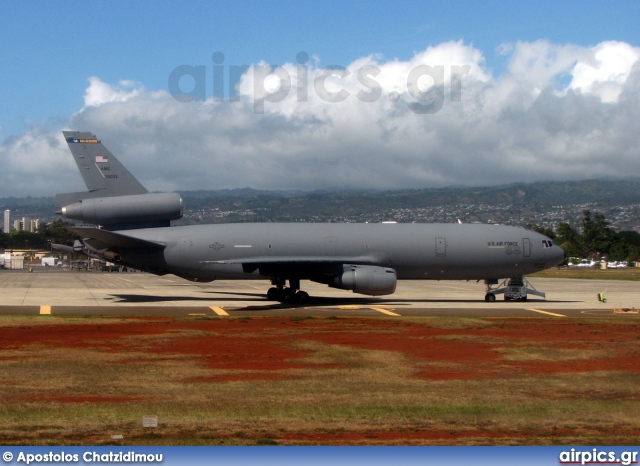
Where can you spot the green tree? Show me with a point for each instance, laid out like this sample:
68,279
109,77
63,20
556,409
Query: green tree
569,239
548,232
626,247
19,239
618,251
596,238
633,254
56,232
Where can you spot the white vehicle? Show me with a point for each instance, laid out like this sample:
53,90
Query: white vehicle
51,262
586,263
617,265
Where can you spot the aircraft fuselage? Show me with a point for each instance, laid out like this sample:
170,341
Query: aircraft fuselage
415,251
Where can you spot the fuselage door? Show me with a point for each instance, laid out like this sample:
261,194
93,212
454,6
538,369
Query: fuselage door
441,247
526,247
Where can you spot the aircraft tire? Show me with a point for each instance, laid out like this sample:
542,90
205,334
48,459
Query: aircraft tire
274,294
489,297
288,296
302,297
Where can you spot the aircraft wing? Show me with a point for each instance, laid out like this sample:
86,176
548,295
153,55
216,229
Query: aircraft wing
103,239
250,264
297,260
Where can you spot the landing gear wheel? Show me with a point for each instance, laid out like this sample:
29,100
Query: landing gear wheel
288,296
274,294
489,297
302,297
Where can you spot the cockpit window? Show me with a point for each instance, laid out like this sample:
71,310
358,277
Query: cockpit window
547,243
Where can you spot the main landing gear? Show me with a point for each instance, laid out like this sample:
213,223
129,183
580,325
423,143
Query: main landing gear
293,294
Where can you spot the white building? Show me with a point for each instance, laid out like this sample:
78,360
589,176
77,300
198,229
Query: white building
26,224
7,221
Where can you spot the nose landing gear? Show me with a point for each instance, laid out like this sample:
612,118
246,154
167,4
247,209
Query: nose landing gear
514,289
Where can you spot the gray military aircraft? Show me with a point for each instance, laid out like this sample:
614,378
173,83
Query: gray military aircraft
135,231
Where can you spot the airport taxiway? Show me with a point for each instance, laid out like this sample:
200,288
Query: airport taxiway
61,291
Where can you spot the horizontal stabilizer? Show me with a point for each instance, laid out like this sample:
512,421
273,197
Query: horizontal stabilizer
104,239
62,247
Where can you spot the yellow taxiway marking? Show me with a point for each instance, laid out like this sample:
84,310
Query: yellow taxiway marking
218,310
45,310
546,312
195,315
352,308
384,311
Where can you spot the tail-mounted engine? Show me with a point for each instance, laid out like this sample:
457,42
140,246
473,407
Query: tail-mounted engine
135,211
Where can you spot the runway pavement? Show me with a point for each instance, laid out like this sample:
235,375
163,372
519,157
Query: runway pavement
61,291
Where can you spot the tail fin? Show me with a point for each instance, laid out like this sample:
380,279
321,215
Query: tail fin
103,174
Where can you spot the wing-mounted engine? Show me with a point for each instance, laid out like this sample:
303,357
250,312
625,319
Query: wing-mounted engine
126,212
366,279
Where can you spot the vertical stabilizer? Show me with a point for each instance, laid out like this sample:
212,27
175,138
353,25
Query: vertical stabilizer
103,174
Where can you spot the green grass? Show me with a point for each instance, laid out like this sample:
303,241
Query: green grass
631,274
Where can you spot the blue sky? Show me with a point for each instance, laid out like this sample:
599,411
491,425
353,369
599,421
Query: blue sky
50,50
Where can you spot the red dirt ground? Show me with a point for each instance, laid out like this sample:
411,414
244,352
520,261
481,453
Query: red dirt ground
80,399
263,346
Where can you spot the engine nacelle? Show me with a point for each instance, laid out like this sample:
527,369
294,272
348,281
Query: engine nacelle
127,210
367,279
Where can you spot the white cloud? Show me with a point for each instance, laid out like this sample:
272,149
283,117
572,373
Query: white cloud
100,92
557,112
605,71
37,163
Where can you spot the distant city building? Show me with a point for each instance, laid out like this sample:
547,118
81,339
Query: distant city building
26,224
7,221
